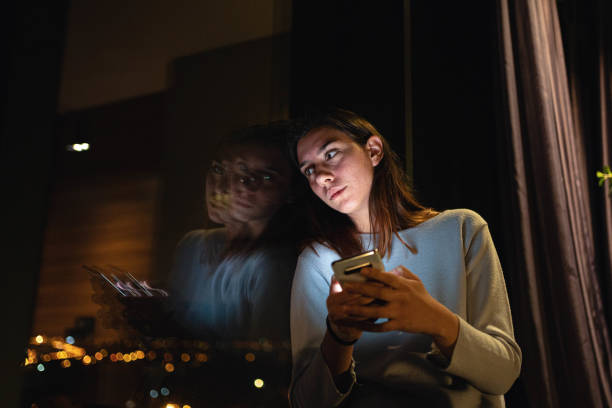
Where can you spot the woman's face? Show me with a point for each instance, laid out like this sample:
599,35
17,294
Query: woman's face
340,171
248,187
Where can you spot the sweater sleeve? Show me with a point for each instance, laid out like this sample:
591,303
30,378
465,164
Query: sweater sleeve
312,384
486,353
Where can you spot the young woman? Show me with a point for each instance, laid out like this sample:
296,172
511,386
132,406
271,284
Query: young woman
434,328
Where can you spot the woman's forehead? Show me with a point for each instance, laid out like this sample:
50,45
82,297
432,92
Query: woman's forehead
315,141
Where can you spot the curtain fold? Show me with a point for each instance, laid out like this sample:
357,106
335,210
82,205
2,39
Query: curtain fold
561,319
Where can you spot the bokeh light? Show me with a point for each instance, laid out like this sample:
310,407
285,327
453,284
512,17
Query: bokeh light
169,367
39,339
164,391
258,383
40,367
154,393
250,357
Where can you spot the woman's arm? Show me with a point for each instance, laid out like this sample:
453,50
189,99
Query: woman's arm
318,360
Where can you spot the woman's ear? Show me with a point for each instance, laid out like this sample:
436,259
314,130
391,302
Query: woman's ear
374,147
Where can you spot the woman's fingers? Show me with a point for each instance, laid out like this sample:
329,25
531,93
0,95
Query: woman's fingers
404,272
370,326
370,289
367,311
394,278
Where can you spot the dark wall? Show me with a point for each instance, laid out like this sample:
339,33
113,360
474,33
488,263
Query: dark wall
32,44
350,54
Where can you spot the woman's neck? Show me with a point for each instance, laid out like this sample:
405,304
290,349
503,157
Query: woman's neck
361,220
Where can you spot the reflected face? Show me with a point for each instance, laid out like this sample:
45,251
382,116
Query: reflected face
217,191
339,171
261,185
249,187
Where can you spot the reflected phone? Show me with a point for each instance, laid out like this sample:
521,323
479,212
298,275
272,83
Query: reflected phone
348,269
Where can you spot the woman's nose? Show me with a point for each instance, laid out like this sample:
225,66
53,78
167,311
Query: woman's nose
324,176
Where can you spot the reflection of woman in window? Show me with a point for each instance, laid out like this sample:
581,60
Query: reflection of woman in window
435,329
235,281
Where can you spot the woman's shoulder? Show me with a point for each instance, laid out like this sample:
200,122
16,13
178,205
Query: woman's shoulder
454,218
201,235
210,240
318,256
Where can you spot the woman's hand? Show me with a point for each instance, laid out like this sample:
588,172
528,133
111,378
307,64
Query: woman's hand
340,321
406,304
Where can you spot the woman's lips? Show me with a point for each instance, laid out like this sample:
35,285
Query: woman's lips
243,204
336,193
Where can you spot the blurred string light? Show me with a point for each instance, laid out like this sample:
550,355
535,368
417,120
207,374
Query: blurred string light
154,393
258,383
164,391
171,405
70,340
40,367
78,147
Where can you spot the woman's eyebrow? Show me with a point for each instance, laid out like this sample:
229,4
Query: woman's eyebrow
323,146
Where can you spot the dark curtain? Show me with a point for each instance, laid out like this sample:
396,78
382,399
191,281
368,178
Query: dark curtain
558,131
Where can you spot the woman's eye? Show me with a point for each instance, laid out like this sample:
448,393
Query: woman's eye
217,169
308,171
266,177
330,155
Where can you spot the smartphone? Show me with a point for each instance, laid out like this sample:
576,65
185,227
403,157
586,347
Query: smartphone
348,269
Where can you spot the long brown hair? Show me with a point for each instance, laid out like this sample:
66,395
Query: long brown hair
392,206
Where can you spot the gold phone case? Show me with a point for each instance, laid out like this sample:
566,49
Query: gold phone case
347,269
